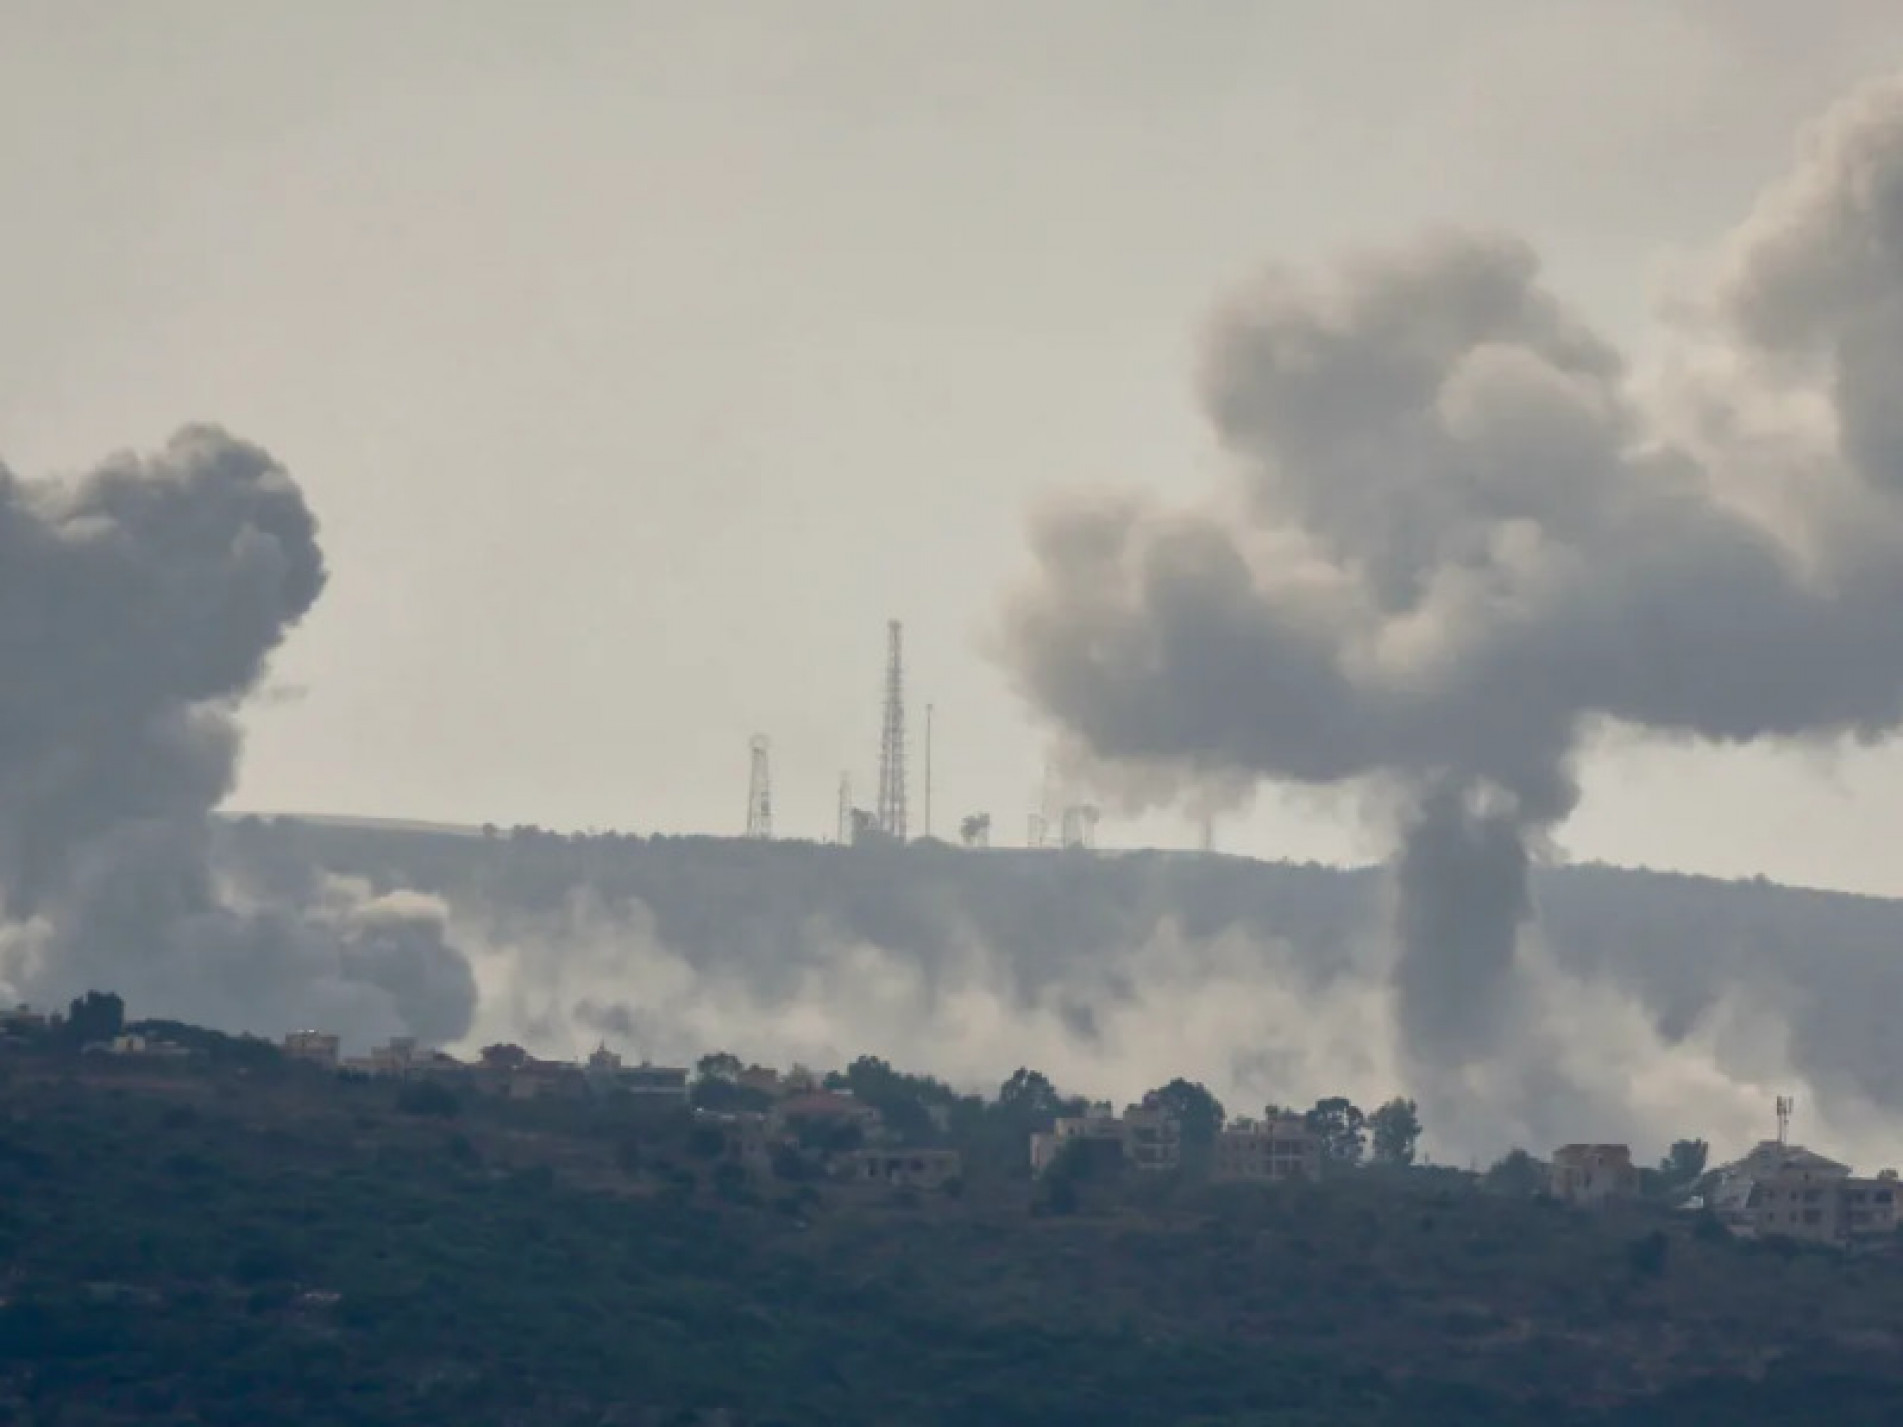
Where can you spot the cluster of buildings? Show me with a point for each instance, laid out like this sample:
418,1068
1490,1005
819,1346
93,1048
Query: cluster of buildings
833,1130
506,1070
1147,1137
1789,1191
1778,1189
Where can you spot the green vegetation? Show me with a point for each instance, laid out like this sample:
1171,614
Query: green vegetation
242,1240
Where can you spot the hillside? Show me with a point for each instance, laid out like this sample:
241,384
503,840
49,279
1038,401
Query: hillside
266,1243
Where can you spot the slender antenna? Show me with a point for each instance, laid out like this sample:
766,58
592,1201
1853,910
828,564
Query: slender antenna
1784,1107
845,809
928,770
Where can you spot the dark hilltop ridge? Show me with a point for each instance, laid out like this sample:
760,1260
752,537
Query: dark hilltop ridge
1062,928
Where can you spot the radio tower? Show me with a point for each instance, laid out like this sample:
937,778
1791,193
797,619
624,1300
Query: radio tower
891,810
760,792
845,809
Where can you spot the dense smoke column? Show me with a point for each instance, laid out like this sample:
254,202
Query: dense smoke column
135,606
1461,879
1455,537
138,607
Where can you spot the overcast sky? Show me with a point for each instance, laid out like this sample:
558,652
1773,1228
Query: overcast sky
642,360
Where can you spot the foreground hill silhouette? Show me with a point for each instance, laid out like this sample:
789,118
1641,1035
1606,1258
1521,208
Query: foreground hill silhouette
236,1239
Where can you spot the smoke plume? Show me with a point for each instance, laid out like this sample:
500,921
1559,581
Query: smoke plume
1456,535
138,607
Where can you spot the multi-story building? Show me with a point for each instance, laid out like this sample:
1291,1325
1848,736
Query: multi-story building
317,1047
1271,1150
395,1057
657,1083
1790,1192
1143,1138
1152,1139
1593,1174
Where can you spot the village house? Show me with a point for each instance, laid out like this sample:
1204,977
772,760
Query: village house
545,1079
1143,1138
653,1083
661,1084
1271,1150
776,1084
1592,1174
908,1169
822,1109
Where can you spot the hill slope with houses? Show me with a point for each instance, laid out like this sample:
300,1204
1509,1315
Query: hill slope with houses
205,1228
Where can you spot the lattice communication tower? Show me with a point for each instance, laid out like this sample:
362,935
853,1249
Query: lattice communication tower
891,809
760,792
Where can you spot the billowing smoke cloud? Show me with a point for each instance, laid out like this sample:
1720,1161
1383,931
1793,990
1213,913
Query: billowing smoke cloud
138,606
1456,536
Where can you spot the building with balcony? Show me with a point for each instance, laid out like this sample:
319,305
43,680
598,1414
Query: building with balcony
1272,1150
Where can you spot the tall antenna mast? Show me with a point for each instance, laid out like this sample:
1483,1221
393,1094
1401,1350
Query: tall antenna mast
928,770
891,810
845,809
1784,1107
760,792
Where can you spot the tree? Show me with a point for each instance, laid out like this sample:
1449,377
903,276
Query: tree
504,1057
96,1016
1199,1114
426,1097
1516,1174
719,1065
1029,1095
1649,1254
1396,1129
905,1102
1683,1163
1339,1125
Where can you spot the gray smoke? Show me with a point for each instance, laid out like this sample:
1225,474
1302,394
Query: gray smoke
138,607
1456,536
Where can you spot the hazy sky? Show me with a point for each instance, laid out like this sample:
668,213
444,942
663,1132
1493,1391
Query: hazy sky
641,360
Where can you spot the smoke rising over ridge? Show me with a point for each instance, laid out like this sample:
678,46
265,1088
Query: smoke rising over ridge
138,607
1648,1006
1456,535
